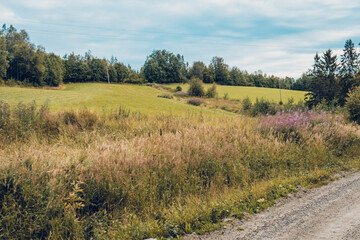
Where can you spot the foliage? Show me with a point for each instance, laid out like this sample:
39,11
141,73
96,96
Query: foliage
262,106
84,175
246,102
324,84
195,101
353,105
196,88
211,92
178,89
164,67
165,95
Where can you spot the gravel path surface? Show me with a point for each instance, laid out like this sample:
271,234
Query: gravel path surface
328,212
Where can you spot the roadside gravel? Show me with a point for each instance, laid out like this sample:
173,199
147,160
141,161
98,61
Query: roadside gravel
329,212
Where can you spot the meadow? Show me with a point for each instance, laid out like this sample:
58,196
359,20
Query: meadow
240,92
97,97
80,173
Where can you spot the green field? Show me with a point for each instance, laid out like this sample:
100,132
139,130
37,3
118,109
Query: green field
240,92
97,96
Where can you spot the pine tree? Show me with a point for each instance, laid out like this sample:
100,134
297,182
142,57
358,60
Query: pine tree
348,68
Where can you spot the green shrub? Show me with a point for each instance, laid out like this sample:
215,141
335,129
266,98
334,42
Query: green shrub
165,95
246,104
178,89
353,105
263,106
196,88
211,92
226,96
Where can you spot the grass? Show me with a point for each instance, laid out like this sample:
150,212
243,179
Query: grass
240,92
84,175
97,96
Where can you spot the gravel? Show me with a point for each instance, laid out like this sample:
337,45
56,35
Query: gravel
329,212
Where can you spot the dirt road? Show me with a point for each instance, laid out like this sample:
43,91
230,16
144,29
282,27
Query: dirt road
329,212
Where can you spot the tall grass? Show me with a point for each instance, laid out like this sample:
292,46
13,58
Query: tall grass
124,175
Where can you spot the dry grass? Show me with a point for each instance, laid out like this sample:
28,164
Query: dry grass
75,174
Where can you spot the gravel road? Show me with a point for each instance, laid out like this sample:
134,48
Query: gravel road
329,212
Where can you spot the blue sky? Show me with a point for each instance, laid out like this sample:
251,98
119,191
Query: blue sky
279,37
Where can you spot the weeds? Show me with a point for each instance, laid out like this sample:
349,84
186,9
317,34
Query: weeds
78,175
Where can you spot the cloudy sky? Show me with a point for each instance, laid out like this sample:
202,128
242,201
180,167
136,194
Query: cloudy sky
276,36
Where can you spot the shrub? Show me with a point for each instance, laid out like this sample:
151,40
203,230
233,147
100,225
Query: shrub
165,95
226,96
211,92
263,106
178,89
246,104
196,88
353,105
195,101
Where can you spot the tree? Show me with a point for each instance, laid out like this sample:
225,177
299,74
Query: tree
76,69
221,71
209,74
122,72
196,88
237,77
4,63
323,85
197,70
348,67
97,70
54,70
164,67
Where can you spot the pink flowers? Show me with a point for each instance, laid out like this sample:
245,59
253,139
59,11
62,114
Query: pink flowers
297,120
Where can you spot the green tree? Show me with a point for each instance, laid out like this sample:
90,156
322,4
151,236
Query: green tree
54,70
164,67
122,72
209,74
4,63
348,67
323,86
97,69
197,70
237,77
221,71
196,88
76,69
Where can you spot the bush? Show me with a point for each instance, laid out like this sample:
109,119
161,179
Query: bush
246,104
263,106
178,89
211,92
195,101
165,95
196,88
353,105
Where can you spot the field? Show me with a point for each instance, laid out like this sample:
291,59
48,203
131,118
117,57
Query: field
97,97
239,92
71,172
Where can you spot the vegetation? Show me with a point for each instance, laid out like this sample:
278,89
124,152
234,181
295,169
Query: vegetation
196,88
123,175
353,105
240,92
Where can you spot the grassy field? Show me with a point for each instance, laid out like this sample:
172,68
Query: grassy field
97,96
86,175
239,92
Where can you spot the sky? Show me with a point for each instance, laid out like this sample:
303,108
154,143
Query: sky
278,37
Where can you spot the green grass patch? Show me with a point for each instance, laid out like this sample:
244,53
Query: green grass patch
99,96
240,92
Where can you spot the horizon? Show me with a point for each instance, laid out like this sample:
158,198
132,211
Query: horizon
278,38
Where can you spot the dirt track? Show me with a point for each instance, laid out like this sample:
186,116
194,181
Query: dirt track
329,212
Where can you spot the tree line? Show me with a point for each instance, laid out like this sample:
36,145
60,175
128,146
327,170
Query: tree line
21,62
